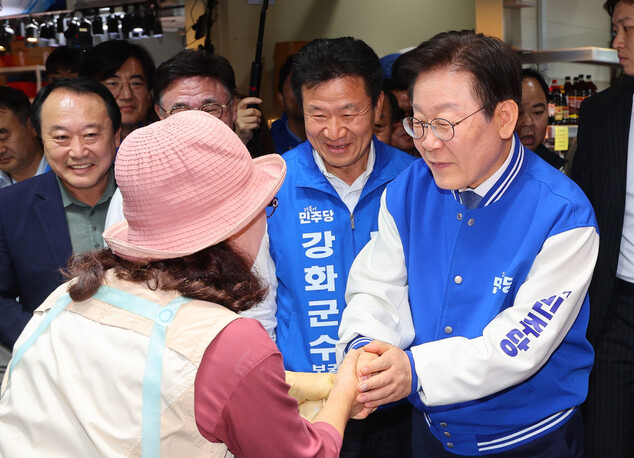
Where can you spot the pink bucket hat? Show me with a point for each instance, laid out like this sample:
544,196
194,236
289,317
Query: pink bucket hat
188,182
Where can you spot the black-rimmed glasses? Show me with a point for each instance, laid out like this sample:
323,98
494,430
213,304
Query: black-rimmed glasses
444,130
271,207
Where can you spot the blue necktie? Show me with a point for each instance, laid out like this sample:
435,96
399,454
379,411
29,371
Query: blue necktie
470,199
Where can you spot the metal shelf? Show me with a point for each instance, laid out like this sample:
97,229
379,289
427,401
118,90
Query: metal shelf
38,69
587,55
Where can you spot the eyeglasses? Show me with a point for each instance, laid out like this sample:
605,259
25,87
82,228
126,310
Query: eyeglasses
214,109
443,129
271,207
115,86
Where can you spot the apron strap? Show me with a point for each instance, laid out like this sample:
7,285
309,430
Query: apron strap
162,318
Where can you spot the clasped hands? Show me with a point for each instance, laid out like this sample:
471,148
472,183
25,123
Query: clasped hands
385,375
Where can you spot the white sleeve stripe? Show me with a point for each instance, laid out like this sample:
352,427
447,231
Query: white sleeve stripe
554,421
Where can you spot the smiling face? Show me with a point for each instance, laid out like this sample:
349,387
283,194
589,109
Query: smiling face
623,28
129,88
479,147
533,116
339,120
194,92
20,152
79,142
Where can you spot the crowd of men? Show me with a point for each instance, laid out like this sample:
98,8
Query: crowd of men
463,276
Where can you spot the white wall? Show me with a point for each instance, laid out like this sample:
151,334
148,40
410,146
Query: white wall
386,25
391,25
569,24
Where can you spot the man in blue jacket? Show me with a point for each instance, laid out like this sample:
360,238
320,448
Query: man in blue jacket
328,207
474,292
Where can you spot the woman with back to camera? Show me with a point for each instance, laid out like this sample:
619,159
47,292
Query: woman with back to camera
142,352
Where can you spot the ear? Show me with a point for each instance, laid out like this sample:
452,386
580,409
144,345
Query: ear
30,128
378,108
506,114
159,112
280,99
234,109
117,138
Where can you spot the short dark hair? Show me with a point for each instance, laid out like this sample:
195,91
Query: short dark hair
399,81
63,58
496,72
609,5
15,101
188,64
325,59
532,73
284,71
78,86
389,97
103,61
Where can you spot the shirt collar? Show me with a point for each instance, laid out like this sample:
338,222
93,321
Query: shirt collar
43,167
496,185
68,199
368,169
6,180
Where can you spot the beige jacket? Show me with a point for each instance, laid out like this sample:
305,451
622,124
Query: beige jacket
77,391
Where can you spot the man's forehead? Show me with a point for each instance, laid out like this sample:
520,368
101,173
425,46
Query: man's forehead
5,113
196,86
331,94
63,98
7,117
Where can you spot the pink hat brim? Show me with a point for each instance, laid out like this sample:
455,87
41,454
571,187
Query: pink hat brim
272,170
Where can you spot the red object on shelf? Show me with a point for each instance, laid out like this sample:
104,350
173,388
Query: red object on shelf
30,89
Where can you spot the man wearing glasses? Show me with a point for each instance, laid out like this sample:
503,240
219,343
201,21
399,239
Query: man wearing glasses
472,299
189,80
127,70
192,80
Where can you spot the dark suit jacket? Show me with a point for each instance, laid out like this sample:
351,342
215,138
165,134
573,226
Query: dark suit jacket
34,244
599,168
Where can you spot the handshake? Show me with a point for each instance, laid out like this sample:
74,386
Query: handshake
377,374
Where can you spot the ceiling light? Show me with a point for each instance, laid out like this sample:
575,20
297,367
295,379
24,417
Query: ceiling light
31,33
97,25
6,37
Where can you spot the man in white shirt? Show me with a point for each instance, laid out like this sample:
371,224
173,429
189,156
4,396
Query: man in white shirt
193,80
327,212
604,169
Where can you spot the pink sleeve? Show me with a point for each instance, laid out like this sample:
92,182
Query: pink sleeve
241,399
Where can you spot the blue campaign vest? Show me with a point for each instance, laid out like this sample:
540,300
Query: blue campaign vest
492,249
313,241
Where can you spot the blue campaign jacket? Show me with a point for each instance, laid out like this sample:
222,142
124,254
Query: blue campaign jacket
313,241
529,204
